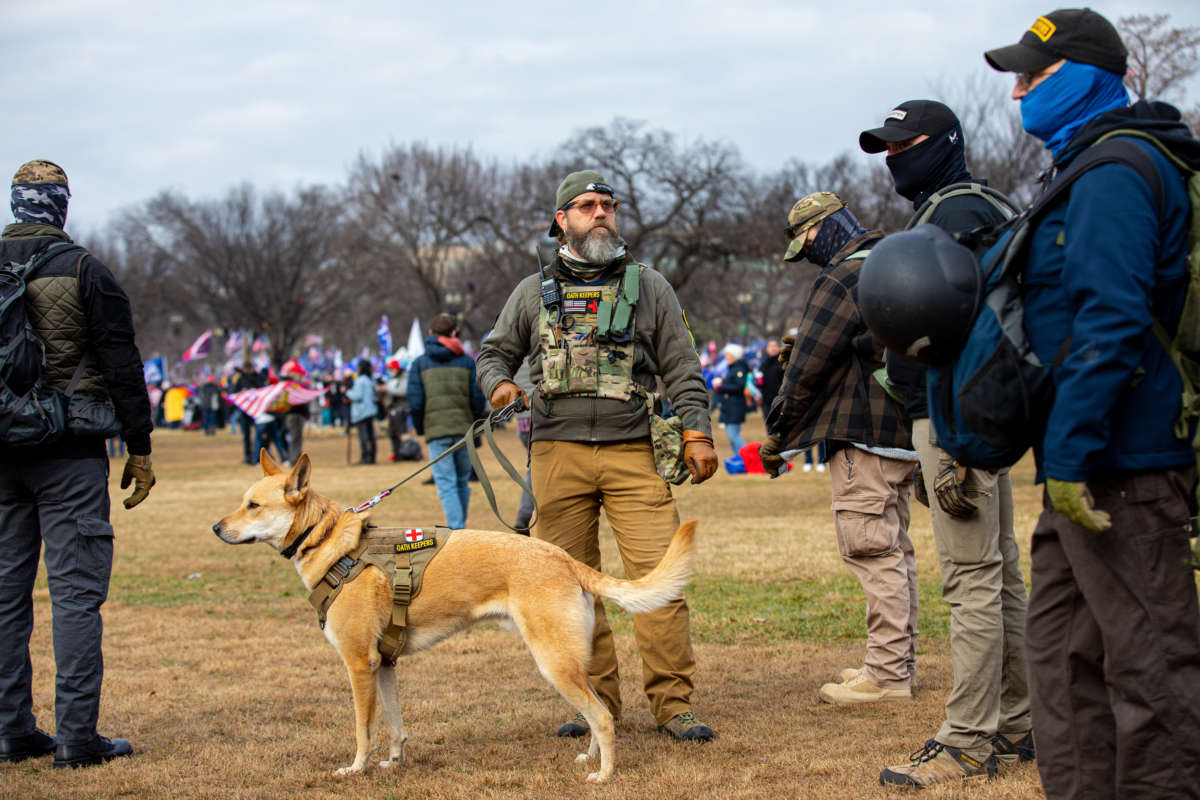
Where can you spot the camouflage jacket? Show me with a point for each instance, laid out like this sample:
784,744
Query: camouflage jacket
828,393
663,348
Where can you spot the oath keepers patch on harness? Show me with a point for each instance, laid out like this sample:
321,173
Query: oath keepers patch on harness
582,301
421,544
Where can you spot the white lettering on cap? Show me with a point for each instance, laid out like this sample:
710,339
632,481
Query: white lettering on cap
898,114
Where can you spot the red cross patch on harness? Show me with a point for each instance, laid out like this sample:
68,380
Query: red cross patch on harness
414,534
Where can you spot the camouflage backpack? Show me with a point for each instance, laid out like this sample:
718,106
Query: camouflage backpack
32,412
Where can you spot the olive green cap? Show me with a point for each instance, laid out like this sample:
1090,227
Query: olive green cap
40,171
572,186
808,211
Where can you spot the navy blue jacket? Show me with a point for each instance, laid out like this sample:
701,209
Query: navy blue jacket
732,395
1103,264
442,393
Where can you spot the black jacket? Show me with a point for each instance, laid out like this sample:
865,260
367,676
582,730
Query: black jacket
110,342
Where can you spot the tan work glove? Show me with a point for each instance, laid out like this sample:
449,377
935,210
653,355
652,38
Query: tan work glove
768,451
785,353
948,486
505,393
138,472
699,455
1073,500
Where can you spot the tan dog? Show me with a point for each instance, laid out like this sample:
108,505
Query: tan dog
478,575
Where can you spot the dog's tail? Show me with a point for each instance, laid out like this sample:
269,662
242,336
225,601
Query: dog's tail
651,591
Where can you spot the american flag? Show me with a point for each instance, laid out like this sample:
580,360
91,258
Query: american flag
255,401
234,343
199,348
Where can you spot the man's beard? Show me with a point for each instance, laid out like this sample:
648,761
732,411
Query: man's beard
599,245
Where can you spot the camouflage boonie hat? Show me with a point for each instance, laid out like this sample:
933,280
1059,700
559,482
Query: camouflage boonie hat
808,211
572,186
40,171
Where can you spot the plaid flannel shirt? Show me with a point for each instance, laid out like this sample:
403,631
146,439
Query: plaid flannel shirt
828,392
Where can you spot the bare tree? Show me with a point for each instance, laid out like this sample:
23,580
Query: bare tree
1161,59
264,264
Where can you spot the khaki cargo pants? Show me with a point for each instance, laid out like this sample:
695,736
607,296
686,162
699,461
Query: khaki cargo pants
571,482
870,514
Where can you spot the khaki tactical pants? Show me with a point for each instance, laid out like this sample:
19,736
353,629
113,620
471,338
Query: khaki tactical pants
981,580
571,482
870,515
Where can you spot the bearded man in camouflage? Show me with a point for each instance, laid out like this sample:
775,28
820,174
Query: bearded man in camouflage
608,330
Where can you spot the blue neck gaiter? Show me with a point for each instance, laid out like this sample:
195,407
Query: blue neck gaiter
1061,104
836,230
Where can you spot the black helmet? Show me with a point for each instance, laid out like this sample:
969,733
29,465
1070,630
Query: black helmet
919,292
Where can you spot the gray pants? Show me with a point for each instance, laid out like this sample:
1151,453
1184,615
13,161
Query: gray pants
981,581
63,505
294,425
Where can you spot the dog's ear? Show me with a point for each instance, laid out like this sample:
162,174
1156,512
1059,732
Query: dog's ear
296,487
269,467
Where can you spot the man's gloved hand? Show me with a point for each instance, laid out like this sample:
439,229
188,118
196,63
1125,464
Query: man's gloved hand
138,472
505,393
699,455
768,451
948,486
1073,500
920,493
785,352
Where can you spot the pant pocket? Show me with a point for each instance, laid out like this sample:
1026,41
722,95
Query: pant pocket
861,527
94,548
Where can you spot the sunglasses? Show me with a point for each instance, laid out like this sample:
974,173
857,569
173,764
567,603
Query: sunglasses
588,207
1025,80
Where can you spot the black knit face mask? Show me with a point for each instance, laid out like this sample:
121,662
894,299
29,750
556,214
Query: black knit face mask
929,165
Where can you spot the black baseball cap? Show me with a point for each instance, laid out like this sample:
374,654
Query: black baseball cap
908,121
1076,34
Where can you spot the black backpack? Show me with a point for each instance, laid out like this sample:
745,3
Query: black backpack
32,412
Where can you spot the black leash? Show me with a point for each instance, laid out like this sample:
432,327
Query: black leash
481,427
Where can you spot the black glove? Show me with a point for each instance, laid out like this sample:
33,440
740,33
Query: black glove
948,486
920,494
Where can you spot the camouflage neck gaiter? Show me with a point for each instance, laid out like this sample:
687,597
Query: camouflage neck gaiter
585,270
40,202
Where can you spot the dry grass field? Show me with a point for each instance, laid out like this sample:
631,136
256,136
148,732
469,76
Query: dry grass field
217,673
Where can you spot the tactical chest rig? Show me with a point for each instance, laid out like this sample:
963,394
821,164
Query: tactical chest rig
586,334
402,555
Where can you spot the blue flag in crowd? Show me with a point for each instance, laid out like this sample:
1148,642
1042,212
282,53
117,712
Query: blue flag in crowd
155,369
384,335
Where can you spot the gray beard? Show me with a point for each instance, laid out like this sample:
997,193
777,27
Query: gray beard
598,246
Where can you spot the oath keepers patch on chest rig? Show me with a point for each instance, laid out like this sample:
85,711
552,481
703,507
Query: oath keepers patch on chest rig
587,339
402,554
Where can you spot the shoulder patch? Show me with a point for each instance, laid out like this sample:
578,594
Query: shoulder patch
422,544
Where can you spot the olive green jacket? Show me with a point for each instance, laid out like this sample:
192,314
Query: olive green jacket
663,349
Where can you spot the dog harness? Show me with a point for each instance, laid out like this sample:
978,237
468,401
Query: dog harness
402,555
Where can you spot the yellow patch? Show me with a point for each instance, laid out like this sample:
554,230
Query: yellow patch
1042,28
408,547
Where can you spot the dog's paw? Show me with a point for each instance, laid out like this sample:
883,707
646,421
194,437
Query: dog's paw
582,757
395,762
350,770
595,777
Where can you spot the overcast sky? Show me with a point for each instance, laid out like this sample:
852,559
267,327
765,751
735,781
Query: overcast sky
135,97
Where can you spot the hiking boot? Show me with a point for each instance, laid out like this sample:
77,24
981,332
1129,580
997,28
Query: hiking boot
850,673
1009,752
686,728
31,745
940,763
860,690
574,728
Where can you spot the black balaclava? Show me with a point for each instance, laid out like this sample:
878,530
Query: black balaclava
838,228
936,162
